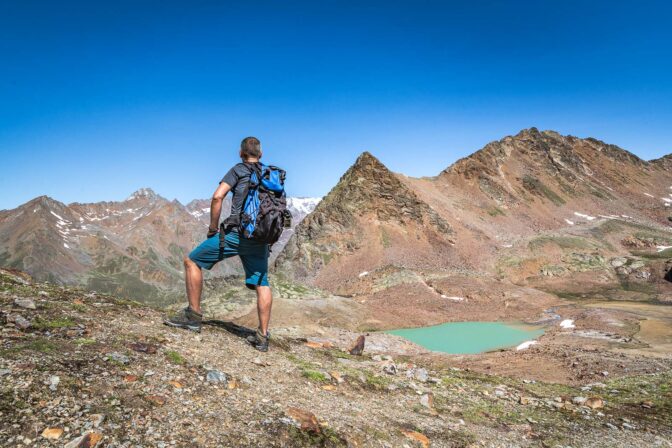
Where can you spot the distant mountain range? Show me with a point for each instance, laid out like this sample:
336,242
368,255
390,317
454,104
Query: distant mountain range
537,208
132,248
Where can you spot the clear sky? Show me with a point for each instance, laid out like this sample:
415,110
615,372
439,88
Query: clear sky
100,98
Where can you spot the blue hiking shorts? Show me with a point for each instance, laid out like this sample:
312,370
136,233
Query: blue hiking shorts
253,254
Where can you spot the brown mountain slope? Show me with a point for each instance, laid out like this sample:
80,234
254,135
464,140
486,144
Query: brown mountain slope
370,219
537,208
132,248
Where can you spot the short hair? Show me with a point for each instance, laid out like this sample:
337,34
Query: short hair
250,147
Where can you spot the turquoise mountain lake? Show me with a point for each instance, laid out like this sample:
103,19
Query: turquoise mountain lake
469,337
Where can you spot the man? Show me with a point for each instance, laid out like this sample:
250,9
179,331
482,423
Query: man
253,254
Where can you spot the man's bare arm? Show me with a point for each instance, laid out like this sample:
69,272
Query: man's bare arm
216,207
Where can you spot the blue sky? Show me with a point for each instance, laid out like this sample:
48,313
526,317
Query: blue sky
98,99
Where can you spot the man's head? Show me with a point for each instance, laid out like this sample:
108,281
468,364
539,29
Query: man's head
250,148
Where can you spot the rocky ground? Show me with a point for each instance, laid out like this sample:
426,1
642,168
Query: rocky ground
80,369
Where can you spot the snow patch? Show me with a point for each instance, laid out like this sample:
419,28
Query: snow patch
662,248
649,195
50,211
303,205
66,246
571,223
581,215
363,274
567,323
456,299
525,345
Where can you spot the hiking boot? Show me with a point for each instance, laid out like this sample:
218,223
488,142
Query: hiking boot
187,319
259,340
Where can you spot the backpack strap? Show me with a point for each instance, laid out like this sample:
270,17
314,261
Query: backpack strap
234,221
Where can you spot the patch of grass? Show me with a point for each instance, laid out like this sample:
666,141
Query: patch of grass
175,357
314,375
43,324
38,345
376,382
385,239
339,354
327,437
535,186
79,307
85,341
667,253
564,242
496,211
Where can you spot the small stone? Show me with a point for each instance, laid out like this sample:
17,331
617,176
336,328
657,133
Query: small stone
358,347
579,401
524,400
25,302
421,375
215,376
329,387
158,400
119,357
427,400
96,419
390,368
610,425
414,435
336,376
21,322
260,362
53,382
647,404
130,378
52,433
594,403
144,348
85,441
43,294
175,384
628,426
304,420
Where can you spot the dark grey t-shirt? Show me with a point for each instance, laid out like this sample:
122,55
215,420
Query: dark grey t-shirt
238,178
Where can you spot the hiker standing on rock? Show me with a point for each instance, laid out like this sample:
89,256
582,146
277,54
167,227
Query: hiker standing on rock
258,216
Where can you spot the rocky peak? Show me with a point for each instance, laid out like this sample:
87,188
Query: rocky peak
143,193
369,187
664,162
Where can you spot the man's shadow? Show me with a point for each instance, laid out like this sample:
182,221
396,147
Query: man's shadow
235,329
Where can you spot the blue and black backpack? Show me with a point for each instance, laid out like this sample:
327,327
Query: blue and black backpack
264,214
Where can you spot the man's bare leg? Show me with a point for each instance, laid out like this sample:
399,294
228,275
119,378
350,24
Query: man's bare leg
264,303
193,277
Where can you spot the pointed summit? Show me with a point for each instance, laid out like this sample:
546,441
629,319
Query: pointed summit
144,193
368,199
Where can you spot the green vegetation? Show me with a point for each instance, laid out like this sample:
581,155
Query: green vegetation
327,437
376,382
41,345
496,211
535,186
314,375
564,242
175,357
63,322
385,238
